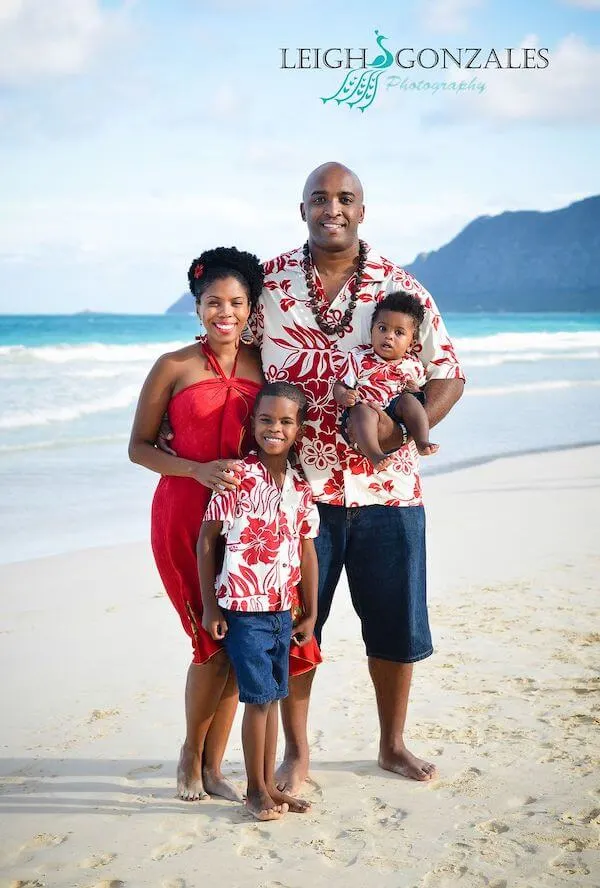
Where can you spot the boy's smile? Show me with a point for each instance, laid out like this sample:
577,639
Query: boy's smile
276,424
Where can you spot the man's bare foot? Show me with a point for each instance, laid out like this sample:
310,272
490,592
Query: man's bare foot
408,765
291,774
426,448
189,777
296,806
216,784
262,806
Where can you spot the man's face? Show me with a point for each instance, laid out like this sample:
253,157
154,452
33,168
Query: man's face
333,208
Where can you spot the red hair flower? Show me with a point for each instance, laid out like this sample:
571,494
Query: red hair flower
198,271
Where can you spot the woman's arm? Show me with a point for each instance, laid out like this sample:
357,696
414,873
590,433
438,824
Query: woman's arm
152,405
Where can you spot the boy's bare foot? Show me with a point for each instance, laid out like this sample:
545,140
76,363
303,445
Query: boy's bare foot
262,806
291,774
189,777
296,806
216,784
426,448
408,765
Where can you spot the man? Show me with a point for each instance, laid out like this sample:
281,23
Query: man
316,305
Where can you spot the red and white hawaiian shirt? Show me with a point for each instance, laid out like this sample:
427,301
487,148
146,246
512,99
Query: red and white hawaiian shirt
378,380
294,349
263,528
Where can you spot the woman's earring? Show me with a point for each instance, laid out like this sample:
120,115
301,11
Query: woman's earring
247,336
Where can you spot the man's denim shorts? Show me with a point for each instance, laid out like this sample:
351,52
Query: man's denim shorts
258,646
383,551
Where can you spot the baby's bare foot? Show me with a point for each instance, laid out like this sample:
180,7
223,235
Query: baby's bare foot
408,765
426,448
189,777
262,806
216,784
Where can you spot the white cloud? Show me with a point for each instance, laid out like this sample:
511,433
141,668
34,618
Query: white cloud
448,15
565,91
40,38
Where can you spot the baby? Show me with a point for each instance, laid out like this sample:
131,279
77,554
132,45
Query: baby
387,375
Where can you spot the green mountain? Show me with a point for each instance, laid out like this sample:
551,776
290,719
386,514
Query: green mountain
517,261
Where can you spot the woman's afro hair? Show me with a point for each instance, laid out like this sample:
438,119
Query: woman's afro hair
224,262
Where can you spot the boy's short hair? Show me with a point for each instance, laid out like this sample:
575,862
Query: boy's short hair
284,390
400,300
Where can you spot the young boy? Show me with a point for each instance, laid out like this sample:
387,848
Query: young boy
268,523
386,375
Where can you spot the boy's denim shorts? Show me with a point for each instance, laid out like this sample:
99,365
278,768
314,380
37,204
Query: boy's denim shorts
383,551
258,646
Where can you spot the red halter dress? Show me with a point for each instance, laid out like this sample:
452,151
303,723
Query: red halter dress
210,420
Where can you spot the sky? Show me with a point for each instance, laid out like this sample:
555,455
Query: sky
136,133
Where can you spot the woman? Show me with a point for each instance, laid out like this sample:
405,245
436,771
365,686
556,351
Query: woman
208,391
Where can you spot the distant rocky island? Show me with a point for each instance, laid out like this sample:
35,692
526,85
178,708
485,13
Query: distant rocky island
517,261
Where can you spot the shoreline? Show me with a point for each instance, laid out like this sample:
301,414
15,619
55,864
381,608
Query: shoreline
452,468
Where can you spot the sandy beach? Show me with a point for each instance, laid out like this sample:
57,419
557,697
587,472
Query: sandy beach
94,660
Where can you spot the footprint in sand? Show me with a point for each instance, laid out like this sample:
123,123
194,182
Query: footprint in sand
586,816
570,864
273,885
109,883
253,846
44,840
143,769
493,826
386,815
171,849
97,860
25,883
466,782
343,849
100,714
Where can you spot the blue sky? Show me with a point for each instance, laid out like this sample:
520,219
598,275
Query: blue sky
135,133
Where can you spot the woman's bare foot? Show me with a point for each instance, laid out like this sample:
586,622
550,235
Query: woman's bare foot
408,765
216,784
189,777
426,448
296,806
291,774
263,807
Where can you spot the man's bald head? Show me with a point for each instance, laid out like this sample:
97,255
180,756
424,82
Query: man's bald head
332,207
314,179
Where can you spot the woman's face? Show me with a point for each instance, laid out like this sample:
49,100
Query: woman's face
224,309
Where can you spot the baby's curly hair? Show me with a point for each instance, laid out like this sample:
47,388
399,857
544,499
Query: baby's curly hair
400,300
222,263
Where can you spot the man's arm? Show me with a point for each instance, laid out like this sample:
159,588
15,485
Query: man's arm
440,397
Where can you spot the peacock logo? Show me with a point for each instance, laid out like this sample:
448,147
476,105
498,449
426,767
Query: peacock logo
360,85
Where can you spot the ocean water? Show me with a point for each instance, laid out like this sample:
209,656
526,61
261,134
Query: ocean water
70,384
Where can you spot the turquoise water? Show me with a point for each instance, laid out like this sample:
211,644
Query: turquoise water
69,387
